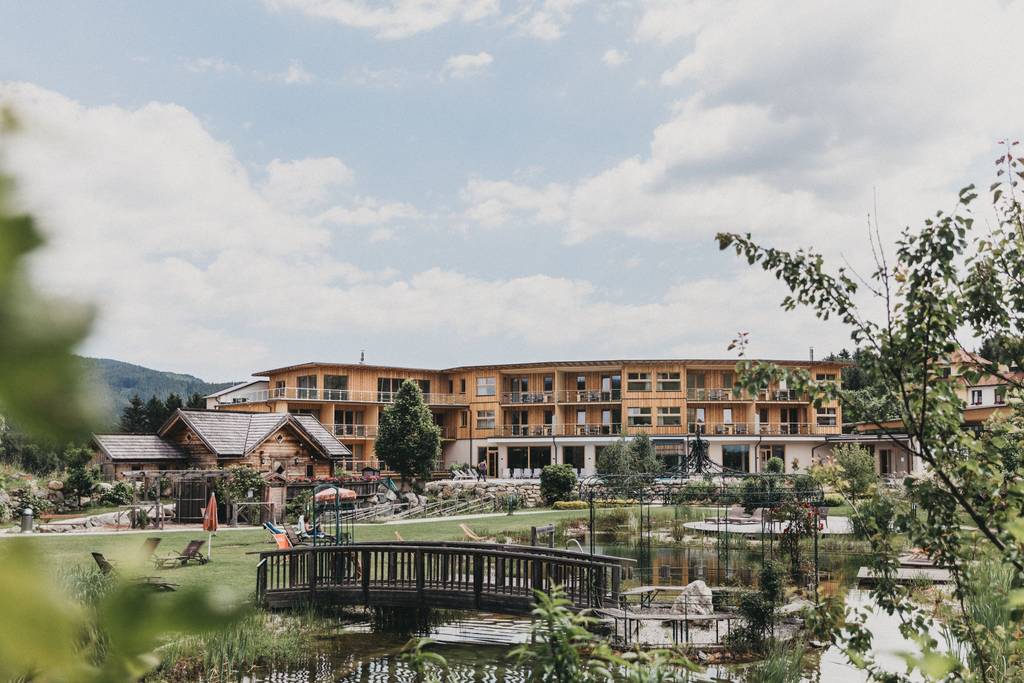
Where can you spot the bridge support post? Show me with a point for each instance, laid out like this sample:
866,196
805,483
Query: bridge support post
616,584
420,566
537,578
478,579
365,576
312,565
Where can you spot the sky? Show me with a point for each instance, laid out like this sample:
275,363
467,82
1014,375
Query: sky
248,184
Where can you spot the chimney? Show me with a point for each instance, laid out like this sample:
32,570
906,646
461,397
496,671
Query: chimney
362,356
812,354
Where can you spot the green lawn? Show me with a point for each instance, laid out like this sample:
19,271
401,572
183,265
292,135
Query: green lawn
232,571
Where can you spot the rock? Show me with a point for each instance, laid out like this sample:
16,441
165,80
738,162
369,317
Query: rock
104,486
695,598
55,485
422,500
411,498
390,496
795,607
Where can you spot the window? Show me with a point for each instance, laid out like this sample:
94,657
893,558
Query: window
581,382
975,397
573,456
669,417
727,416
736,457
387,387
1000,395
825,377
464,418
695,379
309,471
695,420
485,386
485,419
518,458
279,390
306,386
581,417
773,451
424,385
549,418
462,385
639,417
336,387
549,383
728,379
826,417
304,411
451,386
669,381
611,387
638,381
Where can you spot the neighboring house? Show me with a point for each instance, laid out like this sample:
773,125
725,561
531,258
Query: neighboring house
279,444
528,415
239,393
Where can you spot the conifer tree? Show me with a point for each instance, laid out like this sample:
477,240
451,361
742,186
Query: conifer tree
408,440
133,417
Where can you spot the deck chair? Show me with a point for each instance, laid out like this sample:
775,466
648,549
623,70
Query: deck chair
189,554
293,538
506,474
738,515
470,536
282,542
149,548
398,537
150,582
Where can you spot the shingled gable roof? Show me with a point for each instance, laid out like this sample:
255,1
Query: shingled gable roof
234,434
137,447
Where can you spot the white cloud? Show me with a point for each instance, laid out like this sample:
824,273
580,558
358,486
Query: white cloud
198,267
304,182
789,138
466,65
493,203
391,19
545,20
296,74
614,58
211,65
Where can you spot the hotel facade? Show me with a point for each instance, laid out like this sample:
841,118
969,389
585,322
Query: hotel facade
524,416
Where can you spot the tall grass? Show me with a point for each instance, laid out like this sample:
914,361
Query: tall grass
783,664
258,640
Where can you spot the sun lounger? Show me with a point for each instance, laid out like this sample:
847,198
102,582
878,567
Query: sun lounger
398,537
505,474
189,554
282,542
150,582
149,548
470,536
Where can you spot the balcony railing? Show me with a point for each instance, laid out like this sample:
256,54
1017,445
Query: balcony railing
345,396
780,395
355,431
589,396
704,394
530,397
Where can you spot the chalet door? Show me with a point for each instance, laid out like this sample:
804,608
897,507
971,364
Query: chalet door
275,503
492,462
884,461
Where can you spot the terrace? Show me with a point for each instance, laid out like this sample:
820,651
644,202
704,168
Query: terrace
345,396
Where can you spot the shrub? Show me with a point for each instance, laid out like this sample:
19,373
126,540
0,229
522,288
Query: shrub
24,498
570,505
120,494
695,491
598,504
833,500
758,614
557,482
775,466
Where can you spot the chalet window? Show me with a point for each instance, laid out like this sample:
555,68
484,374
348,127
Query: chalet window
306,386
638,381
581,382
695,379
462,385
727,416
451,386
387,387
695,420
309,471
549,383
736,457
669,381
728,380
464,418
669,417
825,377
975,397
485,419
336,387
581,417
424,385
279,390
639,417
1000,396
485,386
826,417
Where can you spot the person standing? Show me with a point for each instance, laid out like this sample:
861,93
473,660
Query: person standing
481,467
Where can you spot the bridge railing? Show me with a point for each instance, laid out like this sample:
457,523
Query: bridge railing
477,575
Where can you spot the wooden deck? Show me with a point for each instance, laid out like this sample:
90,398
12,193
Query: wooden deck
486,577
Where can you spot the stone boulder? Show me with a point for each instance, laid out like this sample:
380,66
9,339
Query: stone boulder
411,498
55,485
695,598
104,487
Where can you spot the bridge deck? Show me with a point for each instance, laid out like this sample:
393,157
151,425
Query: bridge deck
472,576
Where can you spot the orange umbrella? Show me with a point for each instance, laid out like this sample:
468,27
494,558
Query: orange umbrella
328,495
210,521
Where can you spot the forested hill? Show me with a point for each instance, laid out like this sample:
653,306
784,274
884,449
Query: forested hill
124,380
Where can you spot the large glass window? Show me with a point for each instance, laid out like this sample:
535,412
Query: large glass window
1000,396
387,387
485,419
975,397
549,383
736,457
574,456
695,420
485,386
638,381
611,387
826,417
669,417
424,385
669,381
639,417
518,458
727,416
581,382
306,386
336,387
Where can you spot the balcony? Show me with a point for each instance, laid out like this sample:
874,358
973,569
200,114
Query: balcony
703,394
589,396
354,431
346,396
781,395
524,430
527,397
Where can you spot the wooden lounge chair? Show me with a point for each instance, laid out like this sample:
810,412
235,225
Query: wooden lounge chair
282,542
149,548
293,537
737,515
398,537
150,582
470,536
189,554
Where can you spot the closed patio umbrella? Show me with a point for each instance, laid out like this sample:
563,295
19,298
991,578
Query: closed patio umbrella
210,521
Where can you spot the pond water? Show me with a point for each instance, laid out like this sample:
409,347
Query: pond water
476,646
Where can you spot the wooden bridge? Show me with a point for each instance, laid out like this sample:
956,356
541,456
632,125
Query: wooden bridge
487,577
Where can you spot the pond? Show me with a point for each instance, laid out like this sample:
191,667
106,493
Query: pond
476,646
